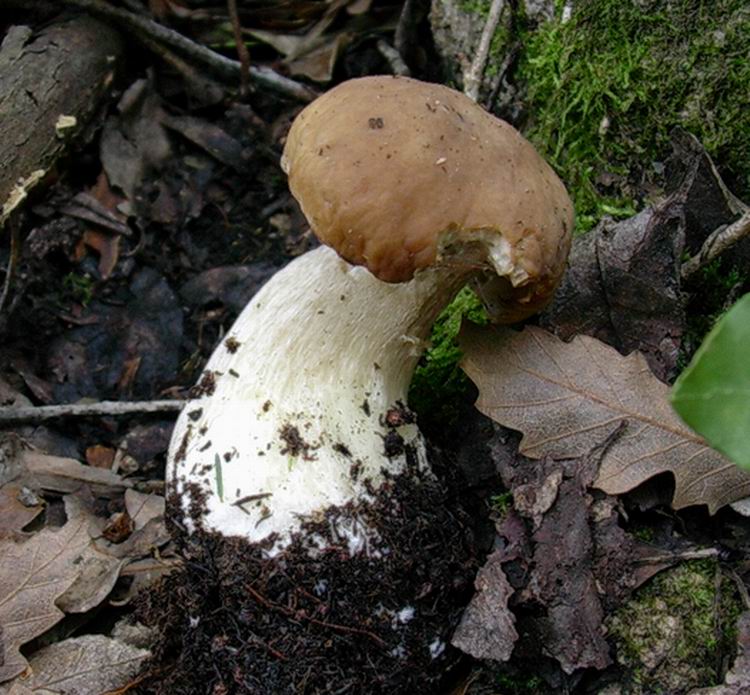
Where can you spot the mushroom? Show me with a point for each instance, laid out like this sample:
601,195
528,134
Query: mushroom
414,191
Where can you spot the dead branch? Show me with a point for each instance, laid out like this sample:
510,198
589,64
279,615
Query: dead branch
394,58
719,241
223,67
35,415
55,80
13,258
473,76
242,52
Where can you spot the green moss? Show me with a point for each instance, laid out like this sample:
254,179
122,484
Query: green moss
78,288
643,533
501,503
671,635
605,88
479,7
528,685
438,382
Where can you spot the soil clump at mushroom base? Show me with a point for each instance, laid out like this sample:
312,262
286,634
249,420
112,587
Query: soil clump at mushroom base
314,618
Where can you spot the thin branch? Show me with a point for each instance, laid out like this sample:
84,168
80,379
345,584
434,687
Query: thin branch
684,556
35,414
719,241
398,66
508,61
242,52
473,77
13,258
227,69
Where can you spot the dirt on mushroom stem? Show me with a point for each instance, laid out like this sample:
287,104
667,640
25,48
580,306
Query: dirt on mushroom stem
315,618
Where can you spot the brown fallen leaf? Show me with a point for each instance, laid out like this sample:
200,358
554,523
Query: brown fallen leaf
97,569
14,515
87,664
486,630
16,689
567,397
142,507
33,575
108,248
100,456
59,474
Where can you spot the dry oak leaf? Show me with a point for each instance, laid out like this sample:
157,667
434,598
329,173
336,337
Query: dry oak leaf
567,397
87,664
33,574
14,514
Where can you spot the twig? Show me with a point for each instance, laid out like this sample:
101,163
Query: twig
227,69
196,80
684,556
473,77
242,52
13,257
508,61
301,616
741,588
394,58
349,630
32,414
720,240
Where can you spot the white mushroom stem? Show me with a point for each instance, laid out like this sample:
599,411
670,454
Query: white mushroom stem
294,418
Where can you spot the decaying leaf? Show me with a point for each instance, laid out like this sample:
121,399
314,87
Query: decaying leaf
567,397
87,664
135,142
135,345
32,576
60,474
67,570
622,286
96,569
142,507
14,513
486,630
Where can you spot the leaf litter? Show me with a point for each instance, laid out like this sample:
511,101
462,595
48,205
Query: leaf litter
564,396
592,419
561,559
86,664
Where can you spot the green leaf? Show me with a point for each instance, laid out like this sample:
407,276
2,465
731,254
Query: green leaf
713,394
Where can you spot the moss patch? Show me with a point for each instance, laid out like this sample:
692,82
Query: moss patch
438,383
605,88
670,637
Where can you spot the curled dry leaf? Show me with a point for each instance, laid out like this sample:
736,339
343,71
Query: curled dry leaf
96,569
567,397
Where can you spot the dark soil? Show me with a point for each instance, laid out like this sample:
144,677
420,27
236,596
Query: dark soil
316,618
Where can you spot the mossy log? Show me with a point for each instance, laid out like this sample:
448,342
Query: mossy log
51,84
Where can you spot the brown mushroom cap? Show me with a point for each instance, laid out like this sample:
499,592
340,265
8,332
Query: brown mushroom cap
386,168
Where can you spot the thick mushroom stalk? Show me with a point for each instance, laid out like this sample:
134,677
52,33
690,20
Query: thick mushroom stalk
301,407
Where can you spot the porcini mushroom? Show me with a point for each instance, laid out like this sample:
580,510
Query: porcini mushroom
414,191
